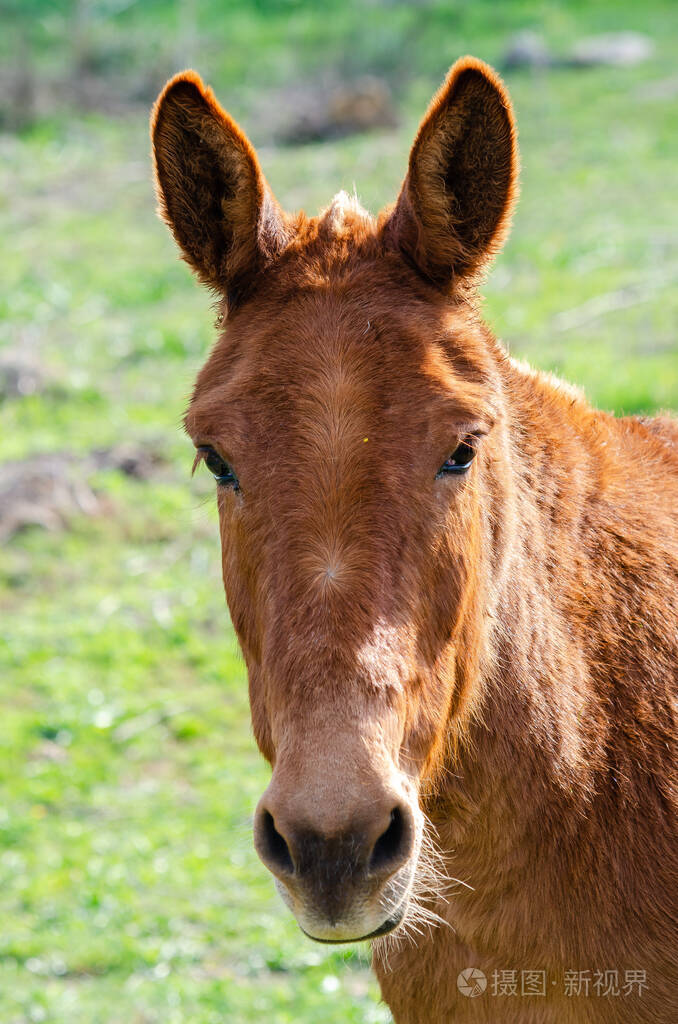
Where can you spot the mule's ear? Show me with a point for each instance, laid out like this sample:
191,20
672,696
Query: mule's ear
210,188
455,205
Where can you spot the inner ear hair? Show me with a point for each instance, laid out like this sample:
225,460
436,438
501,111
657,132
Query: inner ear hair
454,209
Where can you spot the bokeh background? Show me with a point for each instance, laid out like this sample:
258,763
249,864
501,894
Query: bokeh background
129,890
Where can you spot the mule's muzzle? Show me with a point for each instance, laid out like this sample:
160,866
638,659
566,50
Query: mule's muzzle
304,852
342,885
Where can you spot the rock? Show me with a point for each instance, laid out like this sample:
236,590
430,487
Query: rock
526,50
22,375
619,49
140,461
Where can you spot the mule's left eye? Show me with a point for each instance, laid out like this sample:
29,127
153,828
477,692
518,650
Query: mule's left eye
459,461
218,467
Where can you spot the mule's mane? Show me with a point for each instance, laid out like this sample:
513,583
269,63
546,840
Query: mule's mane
343,211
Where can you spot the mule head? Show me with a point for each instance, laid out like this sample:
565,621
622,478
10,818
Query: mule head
352,414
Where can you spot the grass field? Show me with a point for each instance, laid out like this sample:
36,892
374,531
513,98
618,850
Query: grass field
129,889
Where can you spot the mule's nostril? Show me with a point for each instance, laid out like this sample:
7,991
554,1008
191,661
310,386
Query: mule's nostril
392,846
274,848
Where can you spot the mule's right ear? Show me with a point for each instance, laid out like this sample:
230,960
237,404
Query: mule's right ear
211,191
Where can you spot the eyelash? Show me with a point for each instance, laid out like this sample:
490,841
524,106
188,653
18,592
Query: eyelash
218,467
459,462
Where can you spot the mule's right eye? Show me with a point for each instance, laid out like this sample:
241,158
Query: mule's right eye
459,461
218,467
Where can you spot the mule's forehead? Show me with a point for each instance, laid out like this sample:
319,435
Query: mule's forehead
342,353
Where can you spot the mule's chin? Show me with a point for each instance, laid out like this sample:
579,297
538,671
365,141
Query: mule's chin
389,925
352,917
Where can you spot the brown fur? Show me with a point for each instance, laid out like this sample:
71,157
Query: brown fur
492,658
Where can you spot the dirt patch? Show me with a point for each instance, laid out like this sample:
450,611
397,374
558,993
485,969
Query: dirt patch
334,111
27,95
46,491
49,491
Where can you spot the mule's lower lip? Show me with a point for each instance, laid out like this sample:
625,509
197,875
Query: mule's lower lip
388,925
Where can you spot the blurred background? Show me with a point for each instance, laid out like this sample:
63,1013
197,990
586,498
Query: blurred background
129,889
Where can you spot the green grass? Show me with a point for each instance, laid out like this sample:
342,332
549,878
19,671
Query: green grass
129,890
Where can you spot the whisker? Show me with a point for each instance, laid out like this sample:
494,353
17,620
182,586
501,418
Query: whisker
432,884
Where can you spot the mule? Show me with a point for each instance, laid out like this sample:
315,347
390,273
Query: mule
454,582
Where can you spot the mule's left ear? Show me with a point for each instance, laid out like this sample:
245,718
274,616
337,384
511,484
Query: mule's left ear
455,206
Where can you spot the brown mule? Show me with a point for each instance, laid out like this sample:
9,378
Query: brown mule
455,585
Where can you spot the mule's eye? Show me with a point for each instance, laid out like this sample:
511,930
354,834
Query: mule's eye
218,467
459,461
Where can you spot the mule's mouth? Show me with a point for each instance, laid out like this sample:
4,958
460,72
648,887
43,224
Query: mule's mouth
389,925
